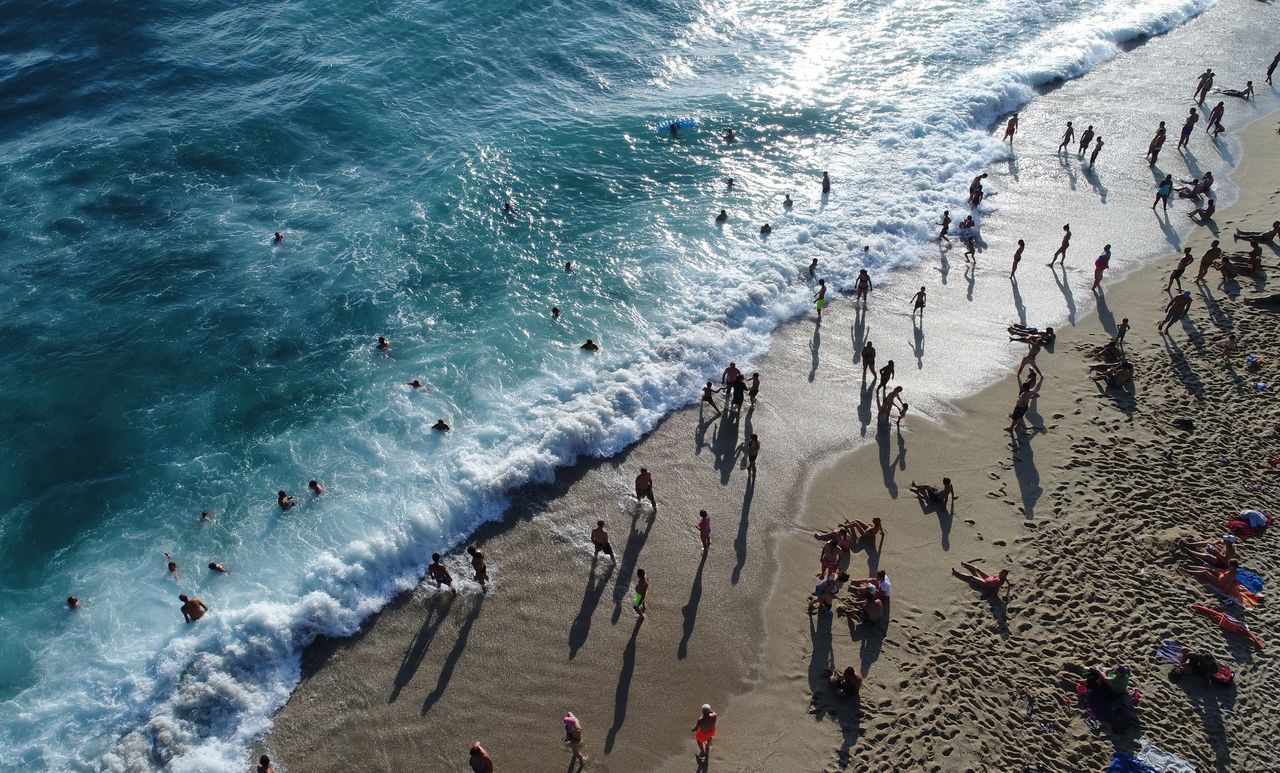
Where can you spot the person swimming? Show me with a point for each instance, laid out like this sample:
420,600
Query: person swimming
383,343
416,384
591,346
555,312
729,136
278,238
766,229
284,500
440,426
219,568
723,216
786,201
316,488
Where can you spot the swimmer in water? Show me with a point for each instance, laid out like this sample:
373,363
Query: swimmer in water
591,346
416,384
219,568
440,573
568,266
555,312
673,130
384,344
173,567
826,183
729,183
278,238
316,488
729,136
766,229
192,609
73,602
205,515
440,426
508,209
813,267
723,216
786,201
284,500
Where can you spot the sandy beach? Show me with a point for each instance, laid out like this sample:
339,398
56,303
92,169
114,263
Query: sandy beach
1083,511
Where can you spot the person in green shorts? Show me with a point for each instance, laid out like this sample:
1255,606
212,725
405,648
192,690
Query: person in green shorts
820,300
642,593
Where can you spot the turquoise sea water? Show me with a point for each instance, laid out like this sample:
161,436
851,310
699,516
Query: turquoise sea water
160,356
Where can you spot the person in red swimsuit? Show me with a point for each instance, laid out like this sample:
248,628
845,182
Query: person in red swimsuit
983,581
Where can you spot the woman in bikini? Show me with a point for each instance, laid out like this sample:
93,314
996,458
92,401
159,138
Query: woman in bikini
937,495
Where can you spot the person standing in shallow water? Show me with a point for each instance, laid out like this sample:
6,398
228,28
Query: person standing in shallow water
820,300
1157,142
869,362
1062,248
1068,137
1011,128
826,183
644,488
1101,264
1017,257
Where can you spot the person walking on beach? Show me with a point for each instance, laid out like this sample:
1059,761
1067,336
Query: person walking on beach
192,609
1062,248
917,303
1175,310
600,540
1214,125
708,397
1011,128
573,737
1017,257
1192,119
862,287
481,760
440,573
754,388
891,399
820,300
1121,330
730,374
1020,409
1101,264
1163,192
946,226
886,373
480,568
826,184
975,190
1272,69
753,450
703,731
1085,138
1097,148
1068,137
1157,142
704,529
1029,360
868,362
1214,253
642,593
1203,84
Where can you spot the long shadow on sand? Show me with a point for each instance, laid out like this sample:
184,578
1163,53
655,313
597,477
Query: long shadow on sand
437,610
1064,285
581,625
1209,702
946,518
631,557
724,444
815,344
827,702
744,520
888,465
451,660
690,610
623,691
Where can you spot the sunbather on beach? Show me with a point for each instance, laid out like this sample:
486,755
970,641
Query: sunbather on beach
1222,579
1259,236
983,581
841,535
937,495
847,682
863,532
1217,553
1115,376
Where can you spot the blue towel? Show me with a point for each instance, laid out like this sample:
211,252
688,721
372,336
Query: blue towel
1249,580
1127,763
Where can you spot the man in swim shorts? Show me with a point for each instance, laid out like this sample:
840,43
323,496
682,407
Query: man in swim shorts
1175,311
703,731
192,609
600,538
1068,137
1192,119
439,572
644,487
642,593
1020,409
917,303
820,300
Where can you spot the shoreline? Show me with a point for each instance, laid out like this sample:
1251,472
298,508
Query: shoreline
554,537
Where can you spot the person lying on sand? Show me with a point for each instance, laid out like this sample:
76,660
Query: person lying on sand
841,535
1259,236
864,605
1029,334
1224,579
983,581
863,532
936,495
1217,553
1108,353
1116,376
846,683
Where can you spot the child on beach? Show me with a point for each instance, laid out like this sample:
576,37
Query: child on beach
902,414
704,529
642,593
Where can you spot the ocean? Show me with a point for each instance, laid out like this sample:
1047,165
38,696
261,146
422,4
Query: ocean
163,356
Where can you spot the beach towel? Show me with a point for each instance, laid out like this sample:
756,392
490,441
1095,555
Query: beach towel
1127,763
1162,761
1172,651
1250,580
1239,595
1241,528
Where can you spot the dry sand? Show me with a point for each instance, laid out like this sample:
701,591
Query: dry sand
1082,514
